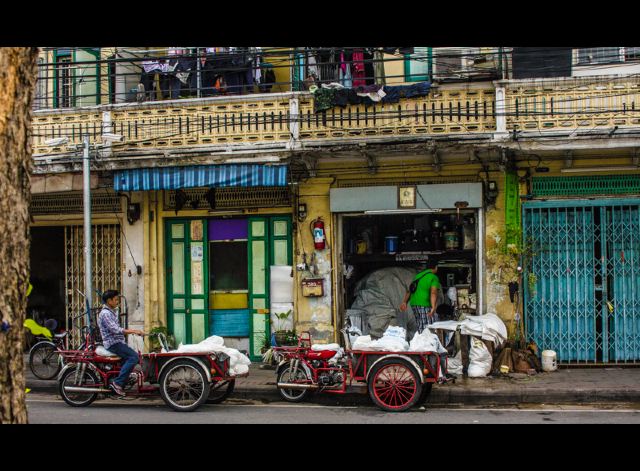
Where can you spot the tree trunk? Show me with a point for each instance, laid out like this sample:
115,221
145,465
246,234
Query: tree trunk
18,76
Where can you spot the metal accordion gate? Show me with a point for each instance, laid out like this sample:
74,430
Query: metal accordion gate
107,262
584,297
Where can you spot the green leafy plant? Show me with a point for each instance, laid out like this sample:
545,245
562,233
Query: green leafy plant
510,252
266,344
281,320
154,342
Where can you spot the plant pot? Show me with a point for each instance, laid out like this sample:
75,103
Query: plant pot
282,337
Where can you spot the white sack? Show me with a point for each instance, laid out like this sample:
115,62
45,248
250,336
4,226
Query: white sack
362,343
390,344
454,365
488,327
426,342
238,362
479,359
395,331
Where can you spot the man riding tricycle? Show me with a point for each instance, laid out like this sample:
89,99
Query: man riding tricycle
185,380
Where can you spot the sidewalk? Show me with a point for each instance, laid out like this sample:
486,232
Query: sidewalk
567,385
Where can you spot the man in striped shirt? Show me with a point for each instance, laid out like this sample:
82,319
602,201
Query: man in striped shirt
113,339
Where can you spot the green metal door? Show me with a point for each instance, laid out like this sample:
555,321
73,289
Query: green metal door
269,244
258,284
187,280
585,303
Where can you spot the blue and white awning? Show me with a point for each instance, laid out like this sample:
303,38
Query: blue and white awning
173,178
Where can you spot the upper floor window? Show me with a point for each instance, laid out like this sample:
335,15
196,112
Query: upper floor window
599,55
63,80
631,53
417,66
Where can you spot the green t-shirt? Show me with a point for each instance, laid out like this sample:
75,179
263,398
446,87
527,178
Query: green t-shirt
422,296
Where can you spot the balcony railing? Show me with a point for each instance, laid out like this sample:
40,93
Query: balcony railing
589,103
289,121
263,120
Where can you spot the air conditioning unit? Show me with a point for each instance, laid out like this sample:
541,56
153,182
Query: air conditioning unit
449,63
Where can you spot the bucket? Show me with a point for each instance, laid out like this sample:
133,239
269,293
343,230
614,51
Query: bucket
549,360
451,240
391,244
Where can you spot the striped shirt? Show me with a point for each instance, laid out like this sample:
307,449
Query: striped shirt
110,328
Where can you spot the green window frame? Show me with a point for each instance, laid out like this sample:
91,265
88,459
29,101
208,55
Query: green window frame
419,70
73,95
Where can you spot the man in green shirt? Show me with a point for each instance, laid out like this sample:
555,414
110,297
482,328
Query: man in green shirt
424,299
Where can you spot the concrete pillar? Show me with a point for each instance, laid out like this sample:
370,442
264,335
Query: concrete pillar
314,314
501,110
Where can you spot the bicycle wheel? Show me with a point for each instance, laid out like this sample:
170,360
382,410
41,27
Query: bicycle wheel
44,360
394,385
71,379
184,385
220,390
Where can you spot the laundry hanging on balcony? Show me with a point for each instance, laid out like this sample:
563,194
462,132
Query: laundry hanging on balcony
173,178
334,94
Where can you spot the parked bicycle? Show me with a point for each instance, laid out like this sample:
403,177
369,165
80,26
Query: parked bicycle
45,361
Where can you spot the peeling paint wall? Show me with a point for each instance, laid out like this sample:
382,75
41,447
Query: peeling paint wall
314,314
496,294
133,254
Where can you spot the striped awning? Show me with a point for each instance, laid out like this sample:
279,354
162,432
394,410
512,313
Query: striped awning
173,178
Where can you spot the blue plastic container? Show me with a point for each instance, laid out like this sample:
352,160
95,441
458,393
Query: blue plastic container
391,244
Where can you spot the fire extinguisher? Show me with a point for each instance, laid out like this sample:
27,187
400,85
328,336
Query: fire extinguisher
317,230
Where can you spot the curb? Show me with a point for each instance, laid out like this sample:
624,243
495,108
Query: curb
439,395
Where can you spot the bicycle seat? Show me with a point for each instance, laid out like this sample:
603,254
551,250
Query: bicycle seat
60,336
103,352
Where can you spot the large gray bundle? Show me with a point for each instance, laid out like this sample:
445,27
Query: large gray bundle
379,294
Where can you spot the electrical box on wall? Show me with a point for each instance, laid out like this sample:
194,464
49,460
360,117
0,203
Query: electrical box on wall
313,287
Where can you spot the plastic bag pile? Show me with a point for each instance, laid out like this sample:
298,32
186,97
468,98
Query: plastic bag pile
487,327
238,362
393,340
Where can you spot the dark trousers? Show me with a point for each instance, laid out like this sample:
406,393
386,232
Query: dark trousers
130,359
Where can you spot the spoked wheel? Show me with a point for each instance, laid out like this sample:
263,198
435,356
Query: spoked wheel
44,360
293,395
184,386
220,390
394,385
74,378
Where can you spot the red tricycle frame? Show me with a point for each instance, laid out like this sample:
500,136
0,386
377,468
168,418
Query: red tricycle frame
395,381
184,380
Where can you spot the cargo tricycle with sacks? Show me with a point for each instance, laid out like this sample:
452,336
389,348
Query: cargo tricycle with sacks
184,380
395,381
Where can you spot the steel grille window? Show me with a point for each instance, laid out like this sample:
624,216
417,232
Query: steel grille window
631,53
599,55
65,83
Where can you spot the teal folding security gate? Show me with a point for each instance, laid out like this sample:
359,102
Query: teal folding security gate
585,302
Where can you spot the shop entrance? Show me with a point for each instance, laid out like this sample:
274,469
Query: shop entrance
57,272
371,243
47,299
582,295
218,277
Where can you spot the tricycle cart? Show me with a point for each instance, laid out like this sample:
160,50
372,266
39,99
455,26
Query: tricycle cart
396,381
184,380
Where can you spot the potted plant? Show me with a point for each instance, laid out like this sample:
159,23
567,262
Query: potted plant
282,334
154,343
